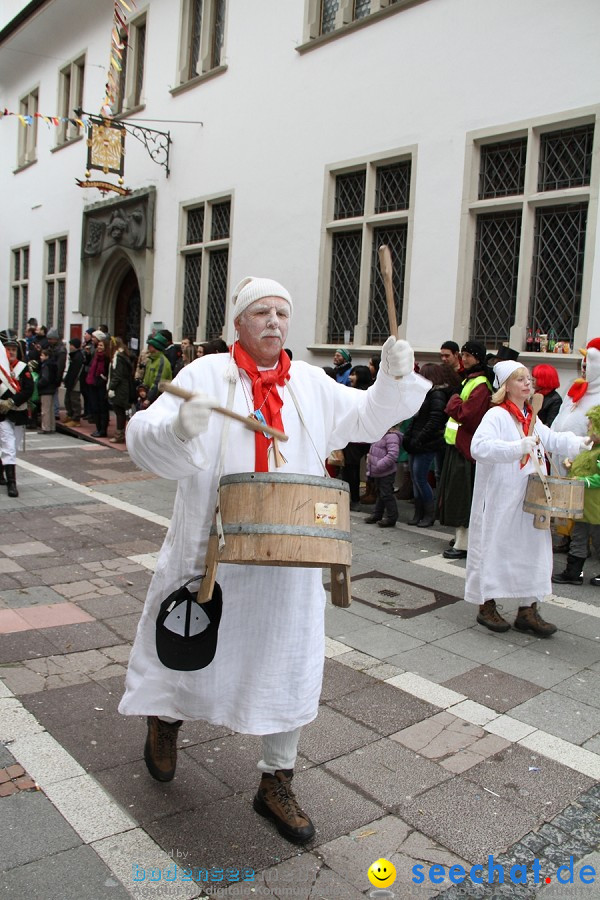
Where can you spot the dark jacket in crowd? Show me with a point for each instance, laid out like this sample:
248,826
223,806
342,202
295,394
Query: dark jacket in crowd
120,379
48,379
73,375
550,408
59,355
425,434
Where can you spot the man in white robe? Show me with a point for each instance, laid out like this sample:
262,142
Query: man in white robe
267,672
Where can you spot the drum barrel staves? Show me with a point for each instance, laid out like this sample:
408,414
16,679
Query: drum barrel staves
280,519
566,499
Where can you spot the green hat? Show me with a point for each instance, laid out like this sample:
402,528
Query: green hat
344,353
159,342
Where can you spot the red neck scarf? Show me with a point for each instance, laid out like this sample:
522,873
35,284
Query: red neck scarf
265,397
523,420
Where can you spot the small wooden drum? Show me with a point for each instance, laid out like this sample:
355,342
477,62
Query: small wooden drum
276,519
566,500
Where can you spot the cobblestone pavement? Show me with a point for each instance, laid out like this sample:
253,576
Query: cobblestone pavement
437,743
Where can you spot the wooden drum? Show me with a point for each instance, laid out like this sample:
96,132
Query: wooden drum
276,519
566,500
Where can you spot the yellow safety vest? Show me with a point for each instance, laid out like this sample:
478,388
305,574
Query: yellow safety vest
452,425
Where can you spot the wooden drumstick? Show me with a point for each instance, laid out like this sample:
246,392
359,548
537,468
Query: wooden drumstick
536,405
387,272
170,388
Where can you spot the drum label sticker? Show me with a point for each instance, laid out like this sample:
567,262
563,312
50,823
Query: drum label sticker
326,513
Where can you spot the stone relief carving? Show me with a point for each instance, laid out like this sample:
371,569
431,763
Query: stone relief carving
120,226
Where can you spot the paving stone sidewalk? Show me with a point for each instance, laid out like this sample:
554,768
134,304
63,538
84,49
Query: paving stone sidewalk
437,743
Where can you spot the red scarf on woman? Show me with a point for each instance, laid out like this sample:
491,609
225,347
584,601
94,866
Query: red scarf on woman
265,397
523,420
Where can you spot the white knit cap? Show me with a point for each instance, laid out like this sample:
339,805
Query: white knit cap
504,370
250,289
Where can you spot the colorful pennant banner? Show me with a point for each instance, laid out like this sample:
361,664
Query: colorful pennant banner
84,122
118,43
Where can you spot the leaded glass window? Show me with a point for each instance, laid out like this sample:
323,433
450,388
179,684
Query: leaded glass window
51,257
60,317
329,9
217,293
349,195
219,32
502,169
195,37
362,8
396,239
20,288
140,53
191,293
220,220
206,255
345,282
204,23
195,225
558,256
62,255
50,304
56,272
392,187
494,296
565,158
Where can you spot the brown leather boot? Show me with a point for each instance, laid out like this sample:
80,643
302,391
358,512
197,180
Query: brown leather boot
489,616
160,750
529,619
276,800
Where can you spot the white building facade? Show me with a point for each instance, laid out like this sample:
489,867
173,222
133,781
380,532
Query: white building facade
305,133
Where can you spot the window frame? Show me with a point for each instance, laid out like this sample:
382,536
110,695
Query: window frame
528,203
59,276
205,65
368,223
71,82
27,134
345,20
202,248
131,92
21,285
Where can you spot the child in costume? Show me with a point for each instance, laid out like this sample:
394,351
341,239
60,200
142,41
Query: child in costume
586,467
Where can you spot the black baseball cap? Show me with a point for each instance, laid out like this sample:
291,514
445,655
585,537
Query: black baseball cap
194,643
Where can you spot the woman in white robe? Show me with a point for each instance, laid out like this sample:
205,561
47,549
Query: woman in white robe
507,556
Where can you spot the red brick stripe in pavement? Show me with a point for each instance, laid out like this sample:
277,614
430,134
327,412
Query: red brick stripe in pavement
14,779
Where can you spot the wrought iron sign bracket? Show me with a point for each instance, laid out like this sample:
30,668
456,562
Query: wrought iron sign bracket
157,143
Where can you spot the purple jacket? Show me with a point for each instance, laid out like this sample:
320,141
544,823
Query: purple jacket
383,455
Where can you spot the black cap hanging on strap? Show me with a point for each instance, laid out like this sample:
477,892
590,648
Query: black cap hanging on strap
183,639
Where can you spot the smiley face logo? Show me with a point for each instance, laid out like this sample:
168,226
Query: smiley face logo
382,873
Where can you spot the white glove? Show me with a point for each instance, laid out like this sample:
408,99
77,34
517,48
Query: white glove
193,415
586,444
397,358
6,405
528,444
111,395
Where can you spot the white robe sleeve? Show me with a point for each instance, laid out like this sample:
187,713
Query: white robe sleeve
489,442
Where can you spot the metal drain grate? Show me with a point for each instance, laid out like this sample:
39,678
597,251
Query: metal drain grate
388,593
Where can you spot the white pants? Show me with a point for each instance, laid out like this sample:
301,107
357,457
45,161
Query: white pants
11,440
279,750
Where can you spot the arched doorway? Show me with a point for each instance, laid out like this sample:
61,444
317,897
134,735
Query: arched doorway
128,311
